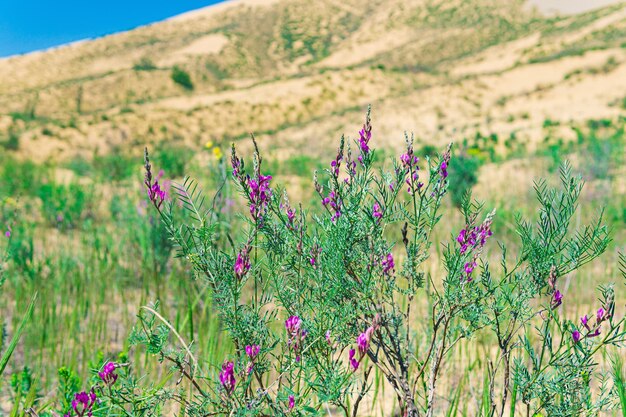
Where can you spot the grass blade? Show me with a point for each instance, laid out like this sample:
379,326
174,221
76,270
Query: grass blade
4,360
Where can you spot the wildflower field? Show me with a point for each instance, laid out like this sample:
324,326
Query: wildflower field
209,253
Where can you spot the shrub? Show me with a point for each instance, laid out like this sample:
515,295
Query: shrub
182,78
144,64
314,302
13,141
464,170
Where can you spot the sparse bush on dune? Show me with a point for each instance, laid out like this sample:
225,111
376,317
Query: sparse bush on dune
144,64
182,78
315,303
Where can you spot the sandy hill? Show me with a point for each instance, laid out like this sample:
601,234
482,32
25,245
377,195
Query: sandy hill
298,72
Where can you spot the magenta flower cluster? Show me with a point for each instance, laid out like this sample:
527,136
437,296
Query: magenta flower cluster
471,241
157,194
236,164
83,403
258,187
591,330
409,164
333,203
388,264
242,263
260,193
227,377
365,135
252,351
335,164
439,188
108,375
291,215
290,212
377,212
296,335
557,299
362,345
443,167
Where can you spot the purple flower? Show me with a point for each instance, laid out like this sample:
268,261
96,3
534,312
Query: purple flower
601,315
443,169
107,375
296,334
333,203
409,164
252,351
557,299
157,194
83,403
363,341
242,263
595,333
576,336
293,324
335,164
468,268
445,161
353,361
364,139
473,239
585,322
259,195
327,337
461,237
365,135
7,234
227,377
292,402
388,264
377,212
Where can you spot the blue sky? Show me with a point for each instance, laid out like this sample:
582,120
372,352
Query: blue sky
31,25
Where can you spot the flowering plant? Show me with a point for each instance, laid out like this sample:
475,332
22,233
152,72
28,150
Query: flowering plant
316,303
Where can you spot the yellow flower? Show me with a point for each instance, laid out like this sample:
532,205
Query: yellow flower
209,144
218,153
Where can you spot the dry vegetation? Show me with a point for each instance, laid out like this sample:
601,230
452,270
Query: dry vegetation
442,69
